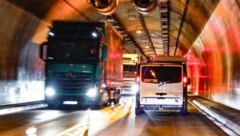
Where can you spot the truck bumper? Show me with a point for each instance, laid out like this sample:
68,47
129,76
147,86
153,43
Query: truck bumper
72,100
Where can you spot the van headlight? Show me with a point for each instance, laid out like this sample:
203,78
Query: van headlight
135,88
92,92
50,91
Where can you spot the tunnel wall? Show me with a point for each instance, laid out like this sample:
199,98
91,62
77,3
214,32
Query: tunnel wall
214,59
21,70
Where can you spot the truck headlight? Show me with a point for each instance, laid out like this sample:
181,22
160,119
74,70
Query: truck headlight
135,88
92,92
50,91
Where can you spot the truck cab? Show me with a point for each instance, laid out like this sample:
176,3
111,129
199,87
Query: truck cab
162,85
80,65
130,62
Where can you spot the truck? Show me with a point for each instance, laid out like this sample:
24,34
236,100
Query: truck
130,62
162,85
83,64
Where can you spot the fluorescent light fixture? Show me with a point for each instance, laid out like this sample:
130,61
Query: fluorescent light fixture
139,31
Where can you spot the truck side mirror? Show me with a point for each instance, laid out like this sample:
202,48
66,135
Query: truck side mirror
43,51
104,52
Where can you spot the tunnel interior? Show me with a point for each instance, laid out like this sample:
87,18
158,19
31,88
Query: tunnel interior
205,32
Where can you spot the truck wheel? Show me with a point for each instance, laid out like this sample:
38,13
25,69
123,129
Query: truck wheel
138,111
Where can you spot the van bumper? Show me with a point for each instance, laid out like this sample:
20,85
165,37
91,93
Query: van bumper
161,107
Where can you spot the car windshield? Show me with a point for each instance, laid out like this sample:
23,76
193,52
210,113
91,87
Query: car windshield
129,71
73,51
161,74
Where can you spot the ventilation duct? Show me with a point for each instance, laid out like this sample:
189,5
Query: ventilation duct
105,7
145,6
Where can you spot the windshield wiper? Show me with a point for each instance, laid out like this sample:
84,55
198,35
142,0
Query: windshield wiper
163,82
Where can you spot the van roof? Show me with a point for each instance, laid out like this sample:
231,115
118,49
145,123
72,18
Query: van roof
168,59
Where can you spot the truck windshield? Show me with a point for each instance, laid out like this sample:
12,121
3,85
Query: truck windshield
73,51
129,71
161,74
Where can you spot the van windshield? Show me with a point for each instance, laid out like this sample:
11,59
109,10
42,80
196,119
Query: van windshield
129,71
161,74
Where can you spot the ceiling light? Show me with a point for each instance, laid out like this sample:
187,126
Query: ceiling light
132,17
127,39
124,35
139,31
110,19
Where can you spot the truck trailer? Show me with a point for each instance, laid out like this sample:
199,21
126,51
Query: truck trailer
83,64
130,62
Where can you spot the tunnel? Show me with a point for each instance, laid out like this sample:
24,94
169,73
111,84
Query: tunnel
206,33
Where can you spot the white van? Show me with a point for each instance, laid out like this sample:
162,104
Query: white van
162,85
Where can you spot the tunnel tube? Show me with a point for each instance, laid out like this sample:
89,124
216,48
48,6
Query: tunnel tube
104,7
145,6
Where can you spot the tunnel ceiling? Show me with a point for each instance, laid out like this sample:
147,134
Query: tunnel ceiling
153,27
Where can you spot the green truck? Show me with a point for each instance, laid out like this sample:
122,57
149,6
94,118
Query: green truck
83,64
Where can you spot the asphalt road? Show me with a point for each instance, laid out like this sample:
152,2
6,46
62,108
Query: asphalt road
109,121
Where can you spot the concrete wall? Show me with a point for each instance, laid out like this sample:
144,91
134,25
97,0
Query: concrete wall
21,70
214,59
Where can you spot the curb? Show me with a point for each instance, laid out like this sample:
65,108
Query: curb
9,110
231,125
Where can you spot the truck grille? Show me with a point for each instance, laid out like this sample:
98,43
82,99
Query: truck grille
72,84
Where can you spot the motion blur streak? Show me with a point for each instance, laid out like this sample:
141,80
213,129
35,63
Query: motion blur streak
95,121
217,47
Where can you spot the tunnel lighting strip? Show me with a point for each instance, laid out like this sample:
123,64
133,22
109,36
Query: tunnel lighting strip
23,108
74,8
181,25
226,125
130,36
147,32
